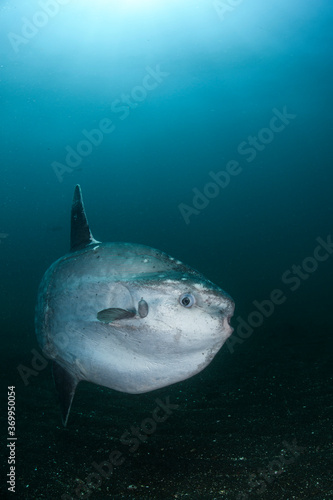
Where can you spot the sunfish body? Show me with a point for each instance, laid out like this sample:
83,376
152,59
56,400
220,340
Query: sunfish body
126,316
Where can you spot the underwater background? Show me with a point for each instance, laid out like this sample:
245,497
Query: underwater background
203,129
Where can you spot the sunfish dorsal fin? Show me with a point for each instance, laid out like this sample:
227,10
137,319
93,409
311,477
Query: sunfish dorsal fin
80,232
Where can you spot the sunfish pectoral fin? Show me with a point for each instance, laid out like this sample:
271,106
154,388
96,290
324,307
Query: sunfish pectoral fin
65,384
114,314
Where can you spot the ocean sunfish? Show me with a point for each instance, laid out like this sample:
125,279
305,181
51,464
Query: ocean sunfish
126,316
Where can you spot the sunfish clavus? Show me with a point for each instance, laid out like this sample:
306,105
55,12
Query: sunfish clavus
126,316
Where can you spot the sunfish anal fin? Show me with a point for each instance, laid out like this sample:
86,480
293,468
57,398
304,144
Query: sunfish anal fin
114,314
80,232
65,385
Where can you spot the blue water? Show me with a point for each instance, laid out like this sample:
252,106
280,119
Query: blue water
200,128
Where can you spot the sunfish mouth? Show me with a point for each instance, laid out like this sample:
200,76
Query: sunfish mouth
227,315
227,328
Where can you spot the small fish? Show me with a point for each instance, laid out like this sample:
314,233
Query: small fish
126,316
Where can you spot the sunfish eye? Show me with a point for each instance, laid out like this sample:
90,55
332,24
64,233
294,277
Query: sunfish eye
187,300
